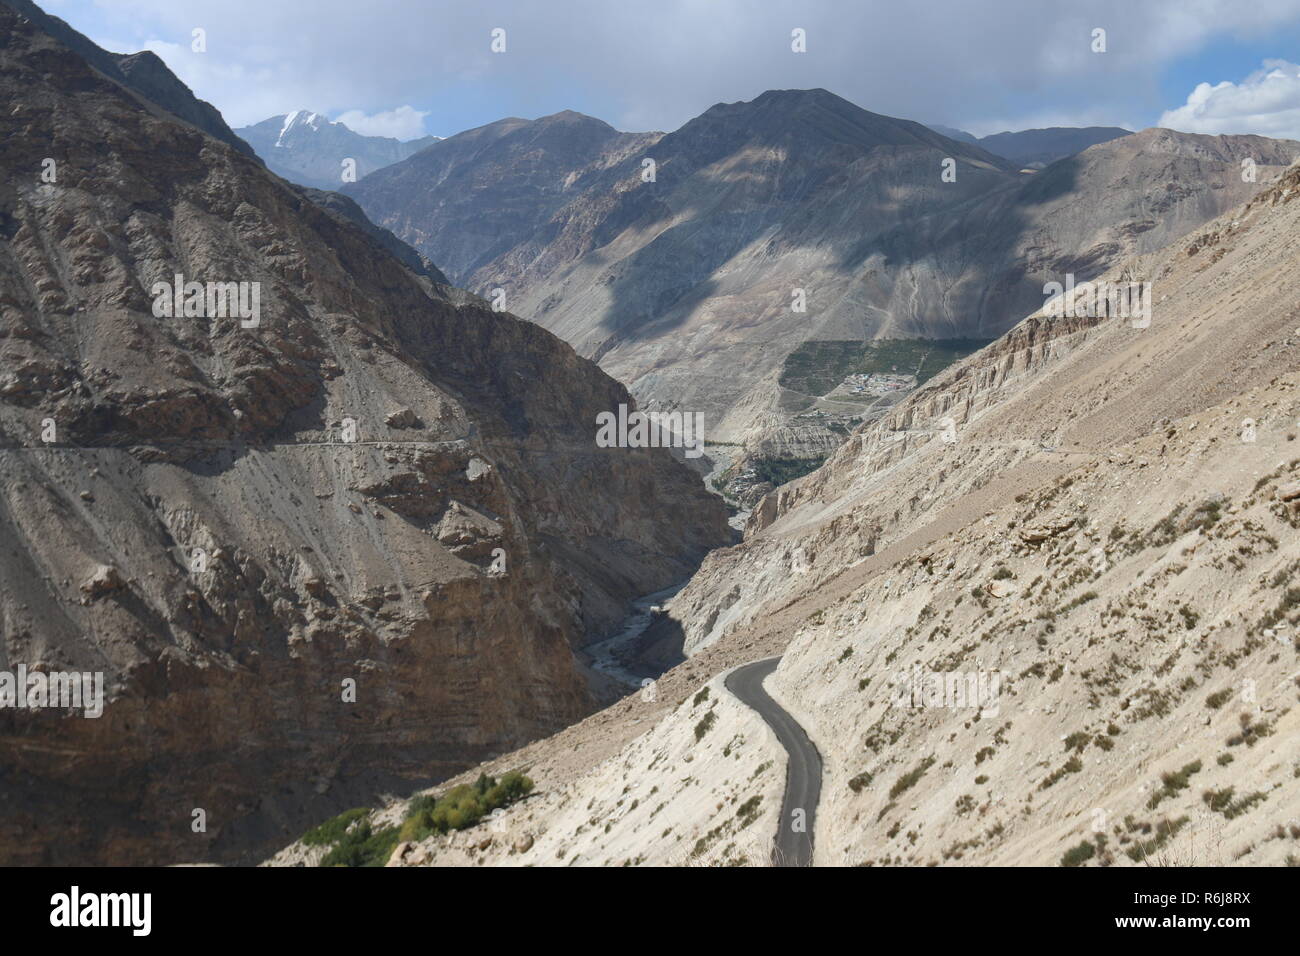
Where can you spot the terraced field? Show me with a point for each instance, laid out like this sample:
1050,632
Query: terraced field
816,368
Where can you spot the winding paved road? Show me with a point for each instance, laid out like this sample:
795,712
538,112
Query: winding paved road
803,779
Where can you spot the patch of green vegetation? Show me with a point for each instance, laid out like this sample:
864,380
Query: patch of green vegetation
1251,732
859,781
1173,784
462,807
1078,740
1079,855
1221,801
780,471
909,779
1165,831
363,846
1165,530
815,368
1218,699
1169,528
1206,515
331,831
705,725
1073,765
1289,602
1081,600
701,697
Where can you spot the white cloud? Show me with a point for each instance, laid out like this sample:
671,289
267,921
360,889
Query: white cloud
1267,103
655,65
260,95
403,123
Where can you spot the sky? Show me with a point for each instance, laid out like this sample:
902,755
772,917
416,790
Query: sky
408,68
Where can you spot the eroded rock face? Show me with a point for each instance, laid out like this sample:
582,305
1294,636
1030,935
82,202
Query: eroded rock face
224,521
897,483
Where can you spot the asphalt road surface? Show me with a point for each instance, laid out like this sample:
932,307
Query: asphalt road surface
803,780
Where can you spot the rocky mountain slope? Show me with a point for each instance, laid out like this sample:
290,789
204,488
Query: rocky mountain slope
960,135
685,287
373,485
1112,534
143,73
1036,148
1042,147
1114,531
341,205
480,193
309,149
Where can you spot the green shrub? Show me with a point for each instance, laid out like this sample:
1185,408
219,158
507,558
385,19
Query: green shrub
1079,855
1173,783
331,831
1220,801
1077,740
1165,831
909,779
1218,699
748,811
363,846
1073,765
458,809
705,725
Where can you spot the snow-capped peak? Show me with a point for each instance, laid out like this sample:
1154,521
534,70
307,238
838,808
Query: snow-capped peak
299,118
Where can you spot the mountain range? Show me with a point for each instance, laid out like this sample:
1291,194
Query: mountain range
1036,148
782,233
311,150
313,478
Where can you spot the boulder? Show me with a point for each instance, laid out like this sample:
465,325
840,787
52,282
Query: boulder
104,580
417,857
402,418
1048,528
999,589
399,851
